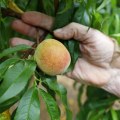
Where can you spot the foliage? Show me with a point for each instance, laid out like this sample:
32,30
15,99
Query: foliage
5,115
15,71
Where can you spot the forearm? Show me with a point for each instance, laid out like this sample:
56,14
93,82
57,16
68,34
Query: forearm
113,86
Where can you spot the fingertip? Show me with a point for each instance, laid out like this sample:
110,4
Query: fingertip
25,16
13,41
61,34
15,23
58,33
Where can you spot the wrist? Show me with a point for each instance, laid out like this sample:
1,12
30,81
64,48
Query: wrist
113,85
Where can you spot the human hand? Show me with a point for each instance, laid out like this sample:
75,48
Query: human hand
95,67
28,24
100,62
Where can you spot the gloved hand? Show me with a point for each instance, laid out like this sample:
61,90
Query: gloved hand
99,65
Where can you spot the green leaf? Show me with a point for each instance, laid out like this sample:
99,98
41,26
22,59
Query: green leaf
106,116
102,94
48,6
29,106
4,65
48,36
61,91
100,104
3,3
113,3
81,89
106,24
117,23
68,4
83,112
3,36
11,74
27,5
97,20
83,14
14,49
73,48
116,35
67,15
15,82
95,115
51,104
104,3
114,114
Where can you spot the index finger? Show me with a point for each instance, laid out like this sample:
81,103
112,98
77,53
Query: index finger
38,19
74,30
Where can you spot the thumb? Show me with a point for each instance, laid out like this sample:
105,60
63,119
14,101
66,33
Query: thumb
63,33
73,30
69,74
72,75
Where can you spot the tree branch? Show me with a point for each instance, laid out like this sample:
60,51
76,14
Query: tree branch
8,12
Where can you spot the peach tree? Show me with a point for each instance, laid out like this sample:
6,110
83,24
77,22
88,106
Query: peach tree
17,65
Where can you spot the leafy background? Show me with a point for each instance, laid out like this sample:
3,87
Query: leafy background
103,15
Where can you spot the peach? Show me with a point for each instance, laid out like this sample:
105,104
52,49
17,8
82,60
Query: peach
52,57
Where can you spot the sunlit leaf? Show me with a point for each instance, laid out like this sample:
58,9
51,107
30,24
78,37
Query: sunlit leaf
116,35
117,23
5,115
114,115
15,82
104,3
11,4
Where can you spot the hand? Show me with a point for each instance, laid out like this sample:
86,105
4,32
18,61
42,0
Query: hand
97,66
27,26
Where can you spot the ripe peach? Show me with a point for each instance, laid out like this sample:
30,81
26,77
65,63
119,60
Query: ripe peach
52,57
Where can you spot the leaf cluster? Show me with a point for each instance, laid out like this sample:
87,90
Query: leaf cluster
16,72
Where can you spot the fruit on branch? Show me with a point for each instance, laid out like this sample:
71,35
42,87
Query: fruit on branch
52,57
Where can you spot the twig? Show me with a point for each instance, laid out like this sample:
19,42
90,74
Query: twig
56,4
8,12
39,40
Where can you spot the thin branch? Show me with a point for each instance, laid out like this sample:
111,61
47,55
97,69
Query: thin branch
56,4
8,12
